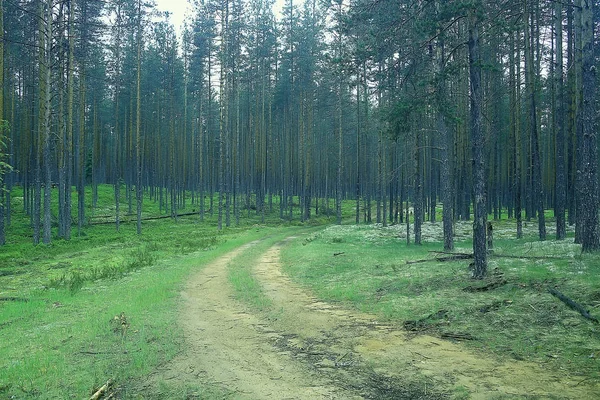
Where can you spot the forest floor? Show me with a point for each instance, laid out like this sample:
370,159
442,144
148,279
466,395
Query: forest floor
301,347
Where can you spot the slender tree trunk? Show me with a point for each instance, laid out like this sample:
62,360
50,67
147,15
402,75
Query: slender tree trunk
338,199
223,111
2,128
537,194
46,138
559,118
571,106
447,144
515,133
590,238
38,140
478,153
577,129
138,116
81,154
418,185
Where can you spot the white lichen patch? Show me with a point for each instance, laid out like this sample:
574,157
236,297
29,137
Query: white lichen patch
432,232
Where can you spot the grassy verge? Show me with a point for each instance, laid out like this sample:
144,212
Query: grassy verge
76,313
63,342
365,267
246,287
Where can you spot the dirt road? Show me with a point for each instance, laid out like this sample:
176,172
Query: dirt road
308,349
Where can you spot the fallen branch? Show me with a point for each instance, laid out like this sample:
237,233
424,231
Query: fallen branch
10,298
339,254
504,256
124,221
458,336
572,304
531,257
100,392
452,257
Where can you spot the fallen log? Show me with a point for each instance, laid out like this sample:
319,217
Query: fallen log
572,304
453,257
504,256
124,221
11,298
457,336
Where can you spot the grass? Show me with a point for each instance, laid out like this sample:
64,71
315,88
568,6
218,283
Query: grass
246,287
58,302
61,343
365,268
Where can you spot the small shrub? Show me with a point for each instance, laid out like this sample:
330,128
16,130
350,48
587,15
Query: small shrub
139,258
76,281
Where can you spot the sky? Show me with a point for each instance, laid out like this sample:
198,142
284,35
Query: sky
178,9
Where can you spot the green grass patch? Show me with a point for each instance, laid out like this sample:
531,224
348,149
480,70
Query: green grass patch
63,343
365,268
58,333
246,287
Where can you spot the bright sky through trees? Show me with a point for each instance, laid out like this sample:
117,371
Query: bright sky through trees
180,9
177,8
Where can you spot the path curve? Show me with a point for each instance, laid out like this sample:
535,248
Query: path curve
391,354
228,347
309,349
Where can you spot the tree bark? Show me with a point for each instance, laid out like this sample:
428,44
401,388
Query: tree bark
478,153
559,118
590,239
2,128
537,193
138,117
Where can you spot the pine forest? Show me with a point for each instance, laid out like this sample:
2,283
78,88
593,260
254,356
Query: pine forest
485,108
299,199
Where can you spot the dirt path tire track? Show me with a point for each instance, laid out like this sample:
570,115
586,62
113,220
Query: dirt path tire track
228,347
308,349
384,353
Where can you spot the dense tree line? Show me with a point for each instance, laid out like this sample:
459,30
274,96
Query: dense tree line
485,107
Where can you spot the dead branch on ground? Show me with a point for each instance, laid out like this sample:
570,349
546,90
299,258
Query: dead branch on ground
572,304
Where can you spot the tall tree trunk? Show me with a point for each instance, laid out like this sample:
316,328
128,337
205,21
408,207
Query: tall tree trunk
447,144
338,186
515,130
478,153
138,116
418,185
537,193
577,128
81,154
117,128
37,140
590,239
559,126
223,111
46,133
2,128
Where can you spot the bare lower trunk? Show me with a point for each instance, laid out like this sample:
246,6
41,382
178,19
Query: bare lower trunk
478,144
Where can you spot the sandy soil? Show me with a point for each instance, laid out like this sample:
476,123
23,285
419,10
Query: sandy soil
308,349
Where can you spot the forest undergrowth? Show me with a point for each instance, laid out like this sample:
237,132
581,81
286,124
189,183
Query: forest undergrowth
75,313
510,314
